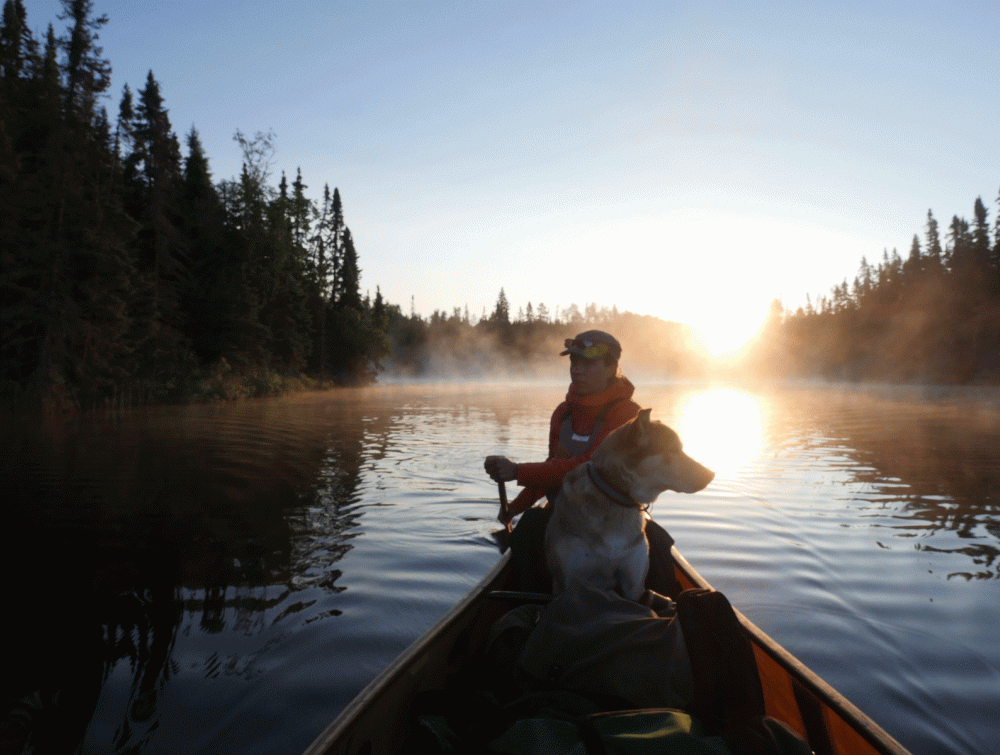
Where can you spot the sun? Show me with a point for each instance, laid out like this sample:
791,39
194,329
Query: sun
725,330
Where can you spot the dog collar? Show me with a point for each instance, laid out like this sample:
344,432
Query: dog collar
617,497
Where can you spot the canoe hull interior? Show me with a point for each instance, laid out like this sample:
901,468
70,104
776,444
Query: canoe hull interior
376,721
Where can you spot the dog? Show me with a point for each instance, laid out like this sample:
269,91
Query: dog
597,533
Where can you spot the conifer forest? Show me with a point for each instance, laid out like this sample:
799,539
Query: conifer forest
129,275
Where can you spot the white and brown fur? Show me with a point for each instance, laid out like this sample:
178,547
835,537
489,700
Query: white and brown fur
592,538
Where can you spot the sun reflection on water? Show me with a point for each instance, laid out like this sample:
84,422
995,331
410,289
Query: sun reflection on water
721,428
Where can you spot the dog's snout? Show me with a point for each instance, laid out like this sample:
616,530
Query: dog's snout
694,476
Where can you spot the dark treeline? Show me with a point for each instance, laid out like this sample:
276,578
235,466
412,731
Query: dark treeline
500,344
932,317
127,275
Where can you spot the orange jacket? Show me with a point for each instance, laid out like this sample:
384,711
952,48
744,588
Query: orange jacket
538,478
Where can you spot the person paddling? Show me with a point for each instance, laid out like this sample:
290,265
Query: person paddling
599,401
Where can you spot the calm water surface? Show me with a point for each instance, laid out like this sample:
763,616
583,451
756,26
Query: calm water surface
224,579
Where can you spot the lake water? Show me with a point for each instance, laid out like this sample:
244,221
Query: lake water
225,578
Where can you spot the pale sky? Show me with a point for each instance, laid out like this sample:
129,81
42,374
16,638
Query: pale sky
688,160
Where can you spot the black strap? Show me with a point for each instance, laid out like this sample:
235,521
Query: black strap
728,694
601,415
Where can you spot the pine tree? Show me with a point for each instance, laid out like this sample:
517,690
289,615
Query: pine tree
321,244
959,248
994,266
980,236
285,305
211,296
914,263
379,312
933,253
336,232
501,311
124,129
88,75
17,45
349,295
300,212
153,174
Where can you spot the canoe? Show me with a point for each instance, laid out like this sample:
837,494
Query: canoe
377,720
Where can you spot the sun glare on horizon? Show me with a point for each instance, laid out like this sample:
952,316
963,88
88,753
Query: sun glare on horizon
724,297
728,328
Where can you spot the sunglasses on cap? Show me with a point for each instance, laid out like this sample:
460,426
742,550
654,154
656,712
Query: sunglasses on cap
585,348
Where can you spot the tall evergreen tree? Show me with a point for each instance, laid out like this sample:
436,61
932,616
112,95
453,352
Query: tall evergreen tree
933,251
914,262
959,246
336,233
300,212
349,285
321,245
153,174
124,129
380,312
980,236
994,276
17,44
212,306
501,310
87,73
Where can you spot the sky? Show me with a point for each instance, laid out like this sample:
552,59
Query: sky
687,160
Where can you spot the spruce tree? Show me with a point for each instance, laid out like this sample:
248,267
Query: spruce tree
211,302
501,311
300,212
980,236
16,41
321,244
913,261
994,266
336,236
124,130
88,75
933,251
350,275
153,174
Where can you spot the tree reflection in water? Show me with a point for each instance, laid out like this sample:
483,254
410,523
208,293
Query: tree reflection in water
122,537
945,457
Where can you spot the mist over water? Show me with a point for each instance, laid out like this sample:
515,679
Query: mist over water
224,578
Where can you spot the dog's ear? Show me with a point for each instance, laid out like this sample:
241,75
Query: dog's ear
642,421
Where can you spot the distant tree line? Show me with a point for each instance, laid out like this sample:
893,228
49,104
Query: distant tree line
932,317
127,275
526,345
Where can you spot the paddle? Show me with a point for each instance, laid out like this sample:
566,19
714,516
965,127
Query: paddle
503,517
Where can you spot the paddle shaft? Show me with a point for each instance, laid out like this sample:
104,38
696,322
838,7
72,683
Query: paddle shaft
502,487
